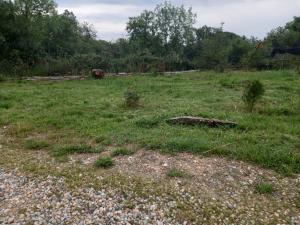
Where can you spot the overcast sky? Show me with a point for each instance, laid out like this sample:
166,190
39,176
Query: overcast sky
244,17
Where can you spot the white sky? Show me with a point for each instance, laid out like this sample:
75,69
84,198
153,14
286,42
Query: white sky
244,17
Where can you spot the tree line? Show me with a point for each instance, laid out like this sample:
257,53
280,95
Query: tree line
37,40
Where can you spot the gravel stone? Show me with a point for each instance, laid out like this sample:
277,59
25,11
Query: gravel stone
33,201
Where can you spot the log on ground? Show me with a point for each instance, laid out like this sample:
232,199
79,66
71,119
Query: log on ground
189,120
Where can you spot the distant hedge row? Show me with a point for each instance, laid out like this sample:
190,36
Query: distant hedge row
36,40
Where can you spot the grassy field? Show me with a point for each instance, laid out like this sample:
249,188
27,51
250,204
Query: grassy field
70,116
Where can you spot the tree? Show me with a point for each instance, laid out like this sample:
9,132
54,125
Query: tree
238,51
31,8
36,39
167,27
286,37
8,30
174,25
217,48
142,30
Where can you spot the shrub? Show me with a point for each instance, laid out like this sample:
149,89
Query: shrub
254,90
175,173
131,98
121,151
104,162
264,188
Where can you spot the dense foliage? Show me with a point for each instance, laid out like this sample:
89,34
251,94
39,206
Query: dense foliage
36,40
252,93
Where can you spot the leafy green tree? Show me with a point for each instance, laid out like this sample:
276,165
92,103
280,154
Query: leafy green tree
174,25
166,28
238,51
218,49
31,8
287,36
142,30
36,39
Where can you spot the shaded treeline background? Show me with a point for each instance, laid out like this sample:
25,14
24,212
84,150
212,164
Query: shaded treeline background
36,40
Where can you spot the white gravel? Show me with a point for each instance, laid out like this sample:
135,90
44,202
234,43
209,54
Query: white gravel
31,201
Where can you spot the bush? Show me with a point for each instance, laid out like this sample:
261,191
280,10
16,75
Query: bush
121,151
254,90
104,162
131,98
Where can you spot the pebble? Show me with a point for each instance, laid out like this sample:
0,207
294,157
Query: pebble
49,202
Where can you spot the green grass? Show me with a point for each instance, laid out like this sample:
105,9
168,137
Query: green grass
104,162
4,105
264,188
61,152
175,173
121,152
34,144
93,110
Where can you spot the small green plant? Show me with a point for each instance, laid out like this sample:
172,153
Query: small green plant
131,98
2,78
128,204
104,162
175,173
264,188
5,105
80,149
104,140
121,151
179,144
286,170
35,144
147,122
297,200
100,139
254,90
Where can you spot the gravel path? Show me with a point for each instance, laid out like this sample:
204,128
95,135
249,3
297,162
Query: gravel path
31,201
28,200
214,191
